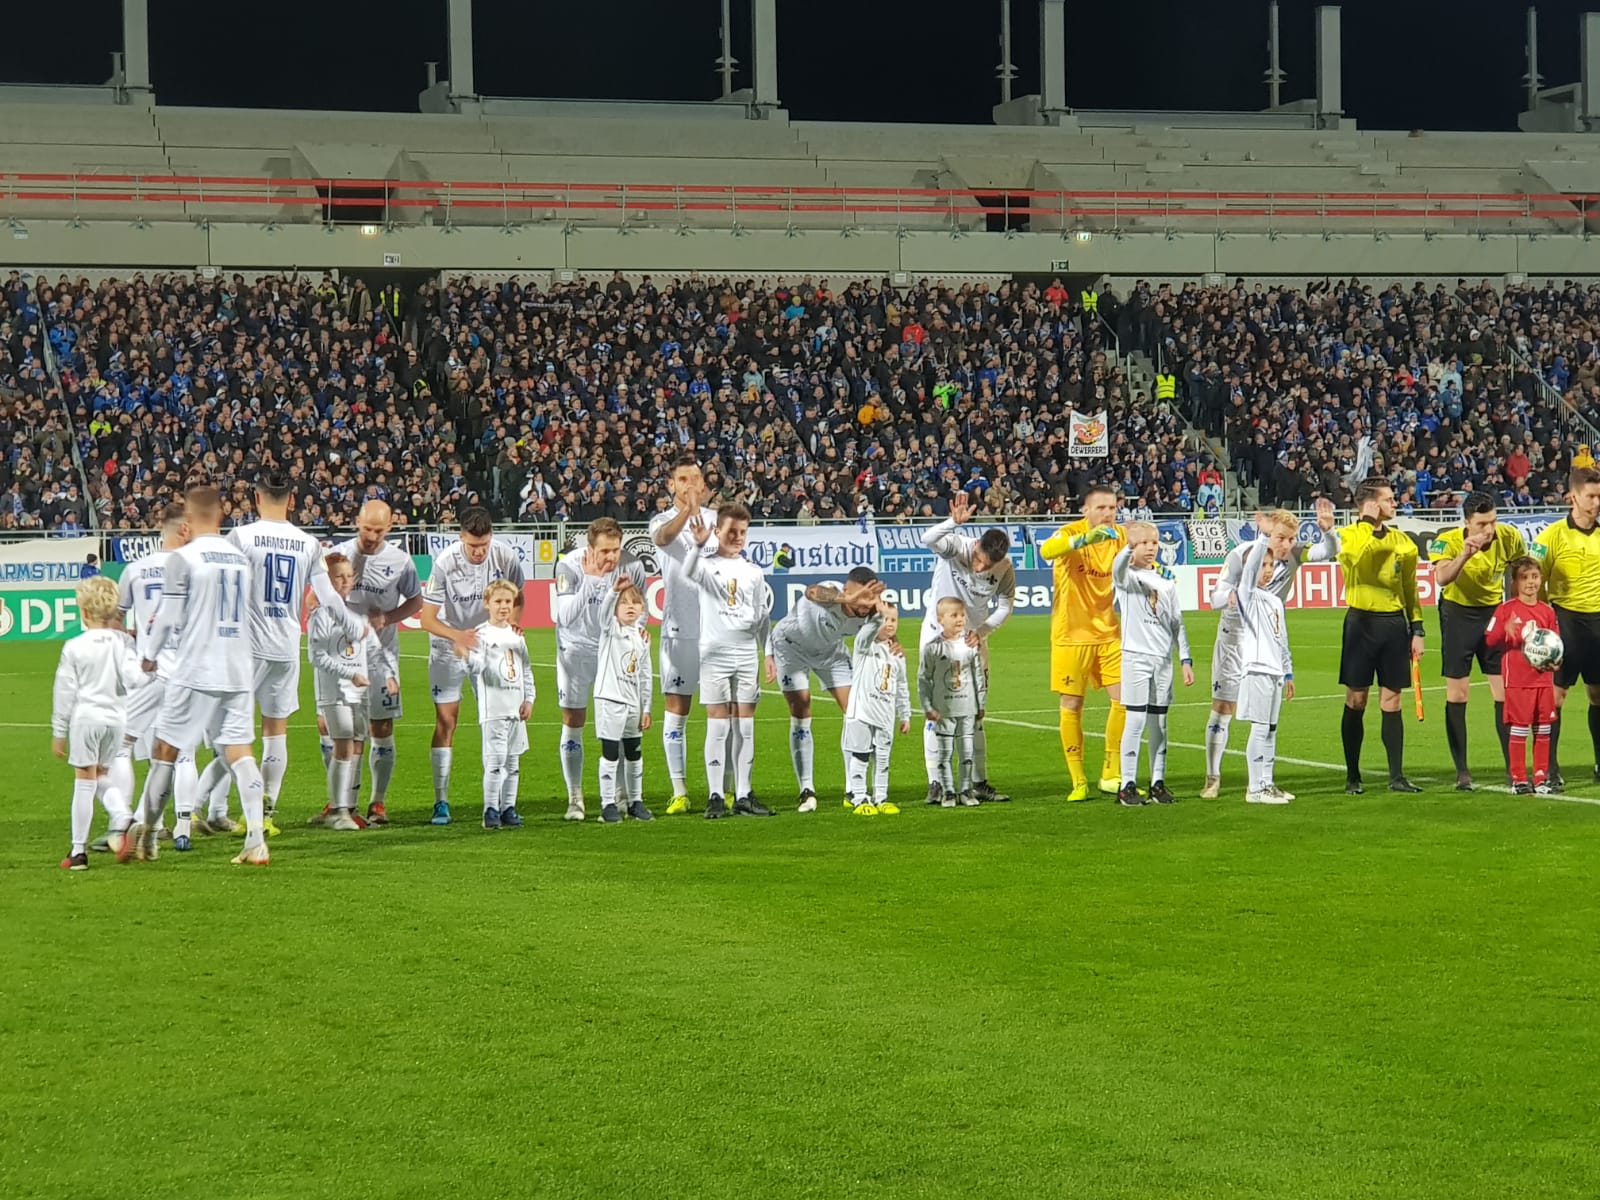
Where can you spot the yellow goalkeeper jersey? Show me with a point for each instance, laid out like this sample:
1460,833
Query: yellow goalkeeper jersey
1082,614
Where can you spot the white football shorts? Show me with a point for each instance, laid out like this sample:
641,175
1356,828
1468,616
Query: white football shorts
190,717
1260,699
1146,680
729,676
93,743
277,687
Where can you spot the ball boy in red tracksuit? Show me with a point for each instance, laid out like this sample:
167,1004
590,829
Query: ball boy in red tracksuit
1530,693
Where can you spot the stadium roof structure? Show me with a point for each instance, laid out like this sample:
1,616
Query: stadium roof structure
108,176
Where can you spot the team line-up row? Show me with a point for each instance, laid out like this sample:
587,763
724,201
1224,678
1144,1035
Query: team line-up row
217,630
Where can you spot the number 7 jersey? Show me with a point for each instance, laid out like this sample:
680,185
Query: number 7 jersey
283,562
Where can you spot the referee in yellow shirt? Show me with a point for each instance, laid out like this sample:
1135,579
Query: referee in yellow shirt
1469,564
1085,635
1382,629
1570,552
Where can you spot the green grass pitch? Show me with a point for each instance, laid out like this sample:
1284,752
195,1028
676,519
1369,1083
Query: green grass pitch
1354,997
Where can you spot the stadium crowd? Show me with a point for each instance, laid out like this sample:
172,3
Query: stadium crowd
808,402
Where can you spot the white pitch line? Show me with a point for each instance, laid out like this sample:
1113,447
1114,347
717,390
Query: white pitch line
1284,758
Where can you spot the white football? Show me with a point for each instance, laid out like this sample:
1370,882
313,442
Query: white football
1543,649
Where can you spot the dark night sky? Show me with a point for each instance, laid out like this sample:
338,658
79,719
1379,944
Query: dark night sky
1423,64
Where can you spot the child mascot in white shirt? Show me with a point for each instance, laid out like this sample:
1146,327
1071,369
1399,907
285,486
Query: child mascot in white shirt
98,669
503,678
622,688
880,700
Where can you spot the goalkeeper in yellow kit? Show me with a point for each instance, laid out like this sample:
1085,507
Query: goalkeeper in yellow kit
1085,636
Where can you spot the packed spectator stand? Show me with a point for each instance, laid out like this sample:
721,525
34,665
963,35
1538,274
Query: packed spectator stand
810,400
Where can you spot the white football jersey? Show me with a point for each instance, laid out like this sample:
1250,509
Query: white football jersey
624,674
505,676
584,603
1147,603
680,601
1263,627
337,659
880,695
815,630
283,560
384,581
457,585
139,592
1282,584
98,669
205,595
735,601
989,595
948,680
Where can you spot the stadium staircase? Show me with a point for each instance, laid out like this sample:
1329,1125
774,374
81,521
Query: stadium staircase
1140,374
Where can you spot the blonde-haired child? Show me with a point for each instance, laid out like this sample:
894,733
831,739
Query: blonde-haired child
504,683
98,669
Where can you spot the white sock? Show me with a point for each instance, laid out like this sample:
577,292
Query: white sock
935,755
980,754
716,753
82,813
381,763
730,775
439,756
608,781
510,782
633,774
855,778
215,782
1132,736
880,765
352,781
274,765
248,776
945,767
746,727
121,776
115,802
802,751
964,760
570,748
1158,746
157,785
185,787
675,741
327,752
1261,749
335,778
494,777
1216,741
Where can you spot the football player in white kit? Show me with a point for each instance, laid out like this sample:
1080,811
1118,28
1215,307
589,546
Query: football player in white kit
680,619
808,640
284,561
588,579
978,572
139,593
452,610
1280,528
387,592
204,607
735,616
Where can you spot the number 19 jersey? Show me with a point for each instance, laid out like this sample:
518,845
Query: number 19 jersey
283,562
209,581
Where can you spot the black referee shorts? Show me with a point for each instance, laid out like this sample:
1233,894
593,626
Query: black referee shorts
1464,636
1376,644
1580,634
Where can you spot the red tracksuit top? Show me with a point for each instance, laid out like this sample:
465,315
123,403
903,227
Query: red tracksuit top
1514,666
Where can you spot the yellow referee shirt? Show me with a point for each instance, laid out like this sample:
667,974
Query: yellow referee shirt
1380,570
1481,583
1571,560
1082,614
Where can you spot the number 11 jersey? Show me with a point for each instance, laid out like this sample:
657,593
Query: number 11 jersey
209,581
